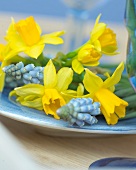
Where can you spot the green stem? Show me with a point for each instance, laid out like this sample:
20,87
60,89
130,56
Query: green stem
43,60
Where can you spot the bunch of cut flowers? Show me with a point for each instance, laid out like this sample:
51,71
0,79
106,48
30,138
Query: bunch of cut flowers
73,86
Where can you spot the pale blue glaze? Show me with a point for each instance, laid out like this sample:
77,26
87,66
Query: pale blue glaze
36,117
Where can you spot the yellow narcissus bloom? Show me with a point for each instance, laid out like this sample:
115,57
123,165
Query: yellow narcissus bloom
25,36
2,47
2,74
87,56
112,107
5,52
102,41
103,38
108,42
2,79
48,96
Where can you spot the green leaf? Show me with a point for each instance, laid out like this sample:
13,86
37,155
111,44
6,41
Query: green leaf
130,114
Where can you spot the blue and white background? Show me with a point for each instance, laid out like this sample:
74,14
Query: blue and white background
112,10
52,16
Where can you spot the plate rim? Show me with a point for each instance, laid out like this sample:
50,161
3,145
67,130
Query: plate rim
35,122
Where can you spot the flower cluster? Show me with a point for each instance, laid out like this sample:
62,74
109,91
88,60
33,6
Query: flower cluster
67,86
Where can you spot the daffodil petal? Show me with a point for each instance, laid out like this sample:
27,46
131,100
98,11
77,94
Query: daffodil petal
110,50
36,103
115,78
77,66
13,53
80,90
97,45
92,82
7,53
51,39
64,78
87,46
96,63
97,20
68,95
2,79
110,54
30,97
70,92
2,47
57,33
112,88
98,31
11,94
34,51
16,42
11,32
50,77
39,28
35,89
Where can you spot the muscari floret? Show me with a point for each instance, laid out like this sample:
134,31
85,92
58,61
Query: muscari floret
80,111
10,82
29,73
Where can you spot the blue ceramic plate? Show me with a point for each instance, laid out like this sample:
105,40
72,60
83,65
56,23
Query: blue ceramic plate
48,125
114,163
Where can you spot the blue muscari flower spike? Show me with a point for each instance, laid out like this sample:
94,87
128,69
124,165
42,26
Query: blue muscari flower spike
27,74
80,111
10,82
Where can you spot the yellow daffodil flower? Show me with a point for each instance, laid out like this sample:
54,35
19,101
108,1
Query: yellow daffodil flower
2,74
87,56
2,47
102,41
112,107
5,52
2,79
25,36
48,96
103,38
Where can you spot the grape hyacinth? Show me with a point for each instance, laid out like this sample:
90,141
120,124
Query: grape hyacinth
10,82
28,74
80,111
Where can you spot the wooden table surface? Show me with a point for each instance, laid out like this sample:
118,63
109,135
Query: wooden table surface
76,153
